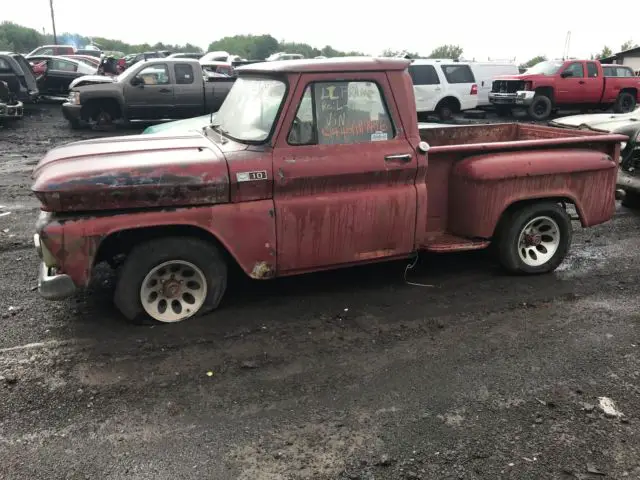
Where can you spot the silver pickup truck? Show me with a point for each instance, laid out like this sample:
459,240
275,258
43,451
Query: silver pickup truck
156,89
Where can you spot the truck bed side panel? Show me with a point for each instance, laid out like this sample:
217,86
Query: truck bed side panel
613,86
484,186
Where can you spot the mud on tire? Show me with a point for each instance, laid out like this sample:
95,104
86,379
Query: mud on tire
177,270
534,239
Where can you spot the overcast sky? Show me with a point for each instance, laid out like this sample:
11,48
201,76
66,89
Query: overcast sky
503,29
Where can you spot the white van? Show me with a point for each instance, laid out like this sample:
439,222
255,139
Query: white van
443,86
485,72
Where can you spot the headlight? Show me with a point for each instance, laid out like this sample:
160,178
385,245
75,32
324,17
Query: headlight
74,98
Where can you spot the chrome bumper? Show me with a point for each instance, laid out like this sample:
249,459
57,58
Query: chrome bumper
52,285
521,98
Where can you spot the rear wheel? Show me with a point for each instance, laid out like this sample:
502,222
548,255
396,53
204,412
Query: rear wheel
540,108
625,103
169,280
534,239
445,110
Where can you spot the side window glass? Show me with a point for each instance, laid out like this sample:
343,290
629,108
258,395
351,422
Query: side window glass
184,74
4,66
576,69
350,112
423,75
458,74
592,70
155,75
303,129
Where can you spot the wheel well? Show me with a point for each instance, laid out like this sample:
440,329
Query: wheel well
453,102
632,91
123,241
109,104
546,91
515,206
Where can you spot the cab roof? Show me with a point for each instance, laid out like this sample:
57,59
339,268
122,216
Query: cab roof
340,64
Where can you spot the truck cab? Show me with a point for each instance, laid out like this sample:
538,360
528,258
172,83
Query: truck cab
307,166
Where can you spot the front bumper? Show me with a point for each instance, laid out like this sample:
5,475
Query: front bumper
11,111
51,285
72,112
522,98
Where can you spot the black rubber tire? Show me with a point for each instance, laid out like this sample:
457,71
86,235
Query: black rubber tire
625,103
631,200
147,255
445,110
504,111
509,234
541,107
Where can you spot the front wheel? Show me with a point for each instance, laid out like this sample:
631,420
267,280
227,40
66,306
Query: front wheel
541,107
169,280
534,239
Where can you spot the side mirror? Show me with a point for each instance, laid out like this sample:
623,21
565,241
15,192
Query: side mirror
137,81
566,74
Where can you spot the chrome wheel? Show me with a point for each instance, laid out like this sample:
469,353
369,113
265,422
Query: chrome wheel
538,241
173,291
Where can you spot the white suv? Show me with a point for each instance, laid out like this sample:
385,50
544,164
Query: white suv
443,86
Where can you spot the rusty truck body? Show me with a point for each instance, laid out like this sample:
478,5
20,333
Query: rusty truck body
309,165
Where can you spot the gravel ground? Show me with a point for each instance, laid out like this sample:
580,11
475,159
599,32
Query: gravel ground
352,374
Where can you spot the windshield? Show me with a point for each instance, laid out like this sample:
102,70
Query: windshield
250,109
545,68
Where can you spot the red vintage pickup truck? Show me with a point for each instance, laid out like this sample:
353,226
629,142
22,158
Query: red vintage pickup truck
309,165
551,85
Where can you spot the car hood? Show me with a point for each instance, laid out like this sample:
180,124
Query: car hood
137,171
608,122
91,79
188,124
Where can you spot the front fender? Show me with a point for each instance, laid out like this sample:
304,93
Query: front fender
245,230
484,186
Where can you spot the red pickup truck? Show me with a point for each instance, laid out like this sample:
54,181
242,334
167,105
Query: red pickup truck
550,85
309,165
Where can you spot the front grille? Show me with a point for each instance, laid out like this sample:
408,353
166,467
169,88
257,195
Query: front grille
507,86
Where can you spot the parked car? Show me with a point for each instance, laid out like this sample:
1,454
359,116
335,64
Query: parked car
16,72
10,107
284,56
193,55
132,59
612,70
621,123
55,74
221,57
52,50
553,84
156,89
214,69
485,73
88,60
443,86
308,166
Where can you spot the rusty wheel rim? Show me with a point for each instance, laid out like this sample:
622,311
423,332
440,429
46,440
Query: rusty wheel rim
173,291
538,241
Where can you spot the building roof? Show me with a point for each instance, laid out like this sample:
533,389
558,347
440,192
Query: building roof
340,64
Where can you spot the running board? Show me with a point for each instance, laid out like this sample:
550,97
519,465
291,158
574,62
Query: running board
445,242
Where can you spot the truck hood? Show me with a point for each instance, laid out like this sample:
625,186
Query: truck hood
91,80
523,76
607,122
137,171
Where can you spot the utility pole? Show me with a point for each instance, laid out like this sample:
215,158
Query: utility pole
53,22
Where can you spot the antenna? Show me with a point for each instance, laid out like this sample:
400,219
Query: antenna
567,43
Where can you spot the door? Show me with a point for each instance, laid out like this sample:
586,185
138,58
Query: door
459,82
593,84
188,94
149,94
426,87
344,186
570,89
60,73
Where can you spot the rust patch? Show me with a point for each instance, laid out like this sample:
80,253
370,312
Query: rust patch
261,271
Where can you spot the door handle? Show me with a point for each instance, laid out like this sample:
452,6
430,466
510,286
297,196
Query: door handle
581,82
164,90
401,157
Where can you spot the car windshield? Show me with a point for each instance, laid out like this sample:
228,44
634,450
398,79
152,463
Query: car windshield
545,68
250,109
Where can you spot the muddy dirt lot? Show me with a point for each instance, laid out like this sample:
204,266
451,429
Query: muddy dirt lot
344,375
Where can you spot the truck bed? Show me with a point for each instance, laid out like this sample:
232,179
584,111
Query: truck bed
453,144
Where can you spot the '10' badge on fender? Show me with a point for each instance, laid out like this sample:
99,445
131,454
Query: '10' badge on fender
251,176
